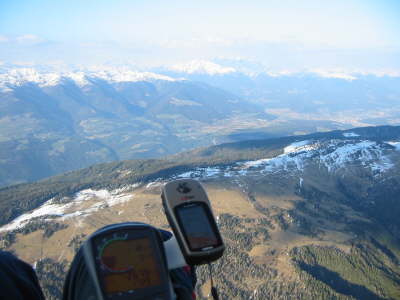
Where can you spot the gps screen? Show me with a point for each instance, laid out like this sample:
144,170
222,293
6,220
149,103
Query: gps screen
197,226
125,265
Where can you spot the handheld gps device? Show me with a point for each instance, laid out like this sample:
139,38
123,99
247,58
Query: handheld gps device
127,261
189,214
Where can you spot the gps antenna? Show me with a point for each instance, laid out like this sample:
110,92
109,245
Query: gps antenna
214,291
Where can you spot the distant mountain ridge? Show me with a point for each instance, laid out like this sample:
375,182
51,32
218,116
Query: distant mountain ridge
13,77
300,91
52,123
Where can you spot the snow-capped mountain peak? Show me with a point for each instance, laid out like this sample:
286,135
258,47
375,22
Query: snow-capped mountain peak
19,76
331,155
335,74
202,67
22,75
126,75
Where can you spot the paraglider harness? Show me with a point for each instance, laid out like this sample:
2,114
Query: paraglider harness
138,261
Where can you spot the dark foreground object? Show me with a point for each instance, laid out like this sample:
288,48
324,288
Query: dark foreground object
79,285
18,280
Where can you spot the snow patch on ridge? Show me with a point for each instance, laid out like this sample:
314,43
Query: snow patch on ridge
75,207
367,152
207,172
395,144
350,134
332,155
298,147
181,102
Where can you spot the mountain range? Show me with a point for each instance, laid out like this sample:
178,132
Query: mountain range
304,217
53,122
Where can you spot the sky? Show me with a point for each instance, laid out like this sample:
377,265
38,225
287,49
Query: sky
281,34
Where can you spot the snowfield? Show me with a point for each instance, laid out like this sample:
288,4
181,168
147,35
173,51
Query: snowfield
350,134
332,155
101,198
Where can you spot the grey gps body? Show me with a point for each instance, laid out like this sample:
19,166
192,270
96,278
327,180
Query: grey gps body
189,213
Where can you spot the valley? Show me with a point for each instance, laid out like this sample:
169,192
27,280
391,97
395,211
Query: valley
304,216
53,122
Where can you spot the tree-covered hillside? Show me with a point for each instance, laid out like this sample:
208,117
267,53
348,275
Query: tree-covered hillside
304,217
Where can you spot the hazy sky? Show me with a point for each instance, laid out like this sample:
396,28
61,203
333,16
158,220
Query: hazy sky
282,34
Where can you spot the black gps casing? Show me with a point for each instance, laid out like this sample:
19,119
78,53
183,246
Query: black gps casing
188,196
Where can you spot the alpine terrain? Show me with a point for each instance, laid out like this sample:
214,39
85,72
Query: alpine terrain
304,217
53,122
